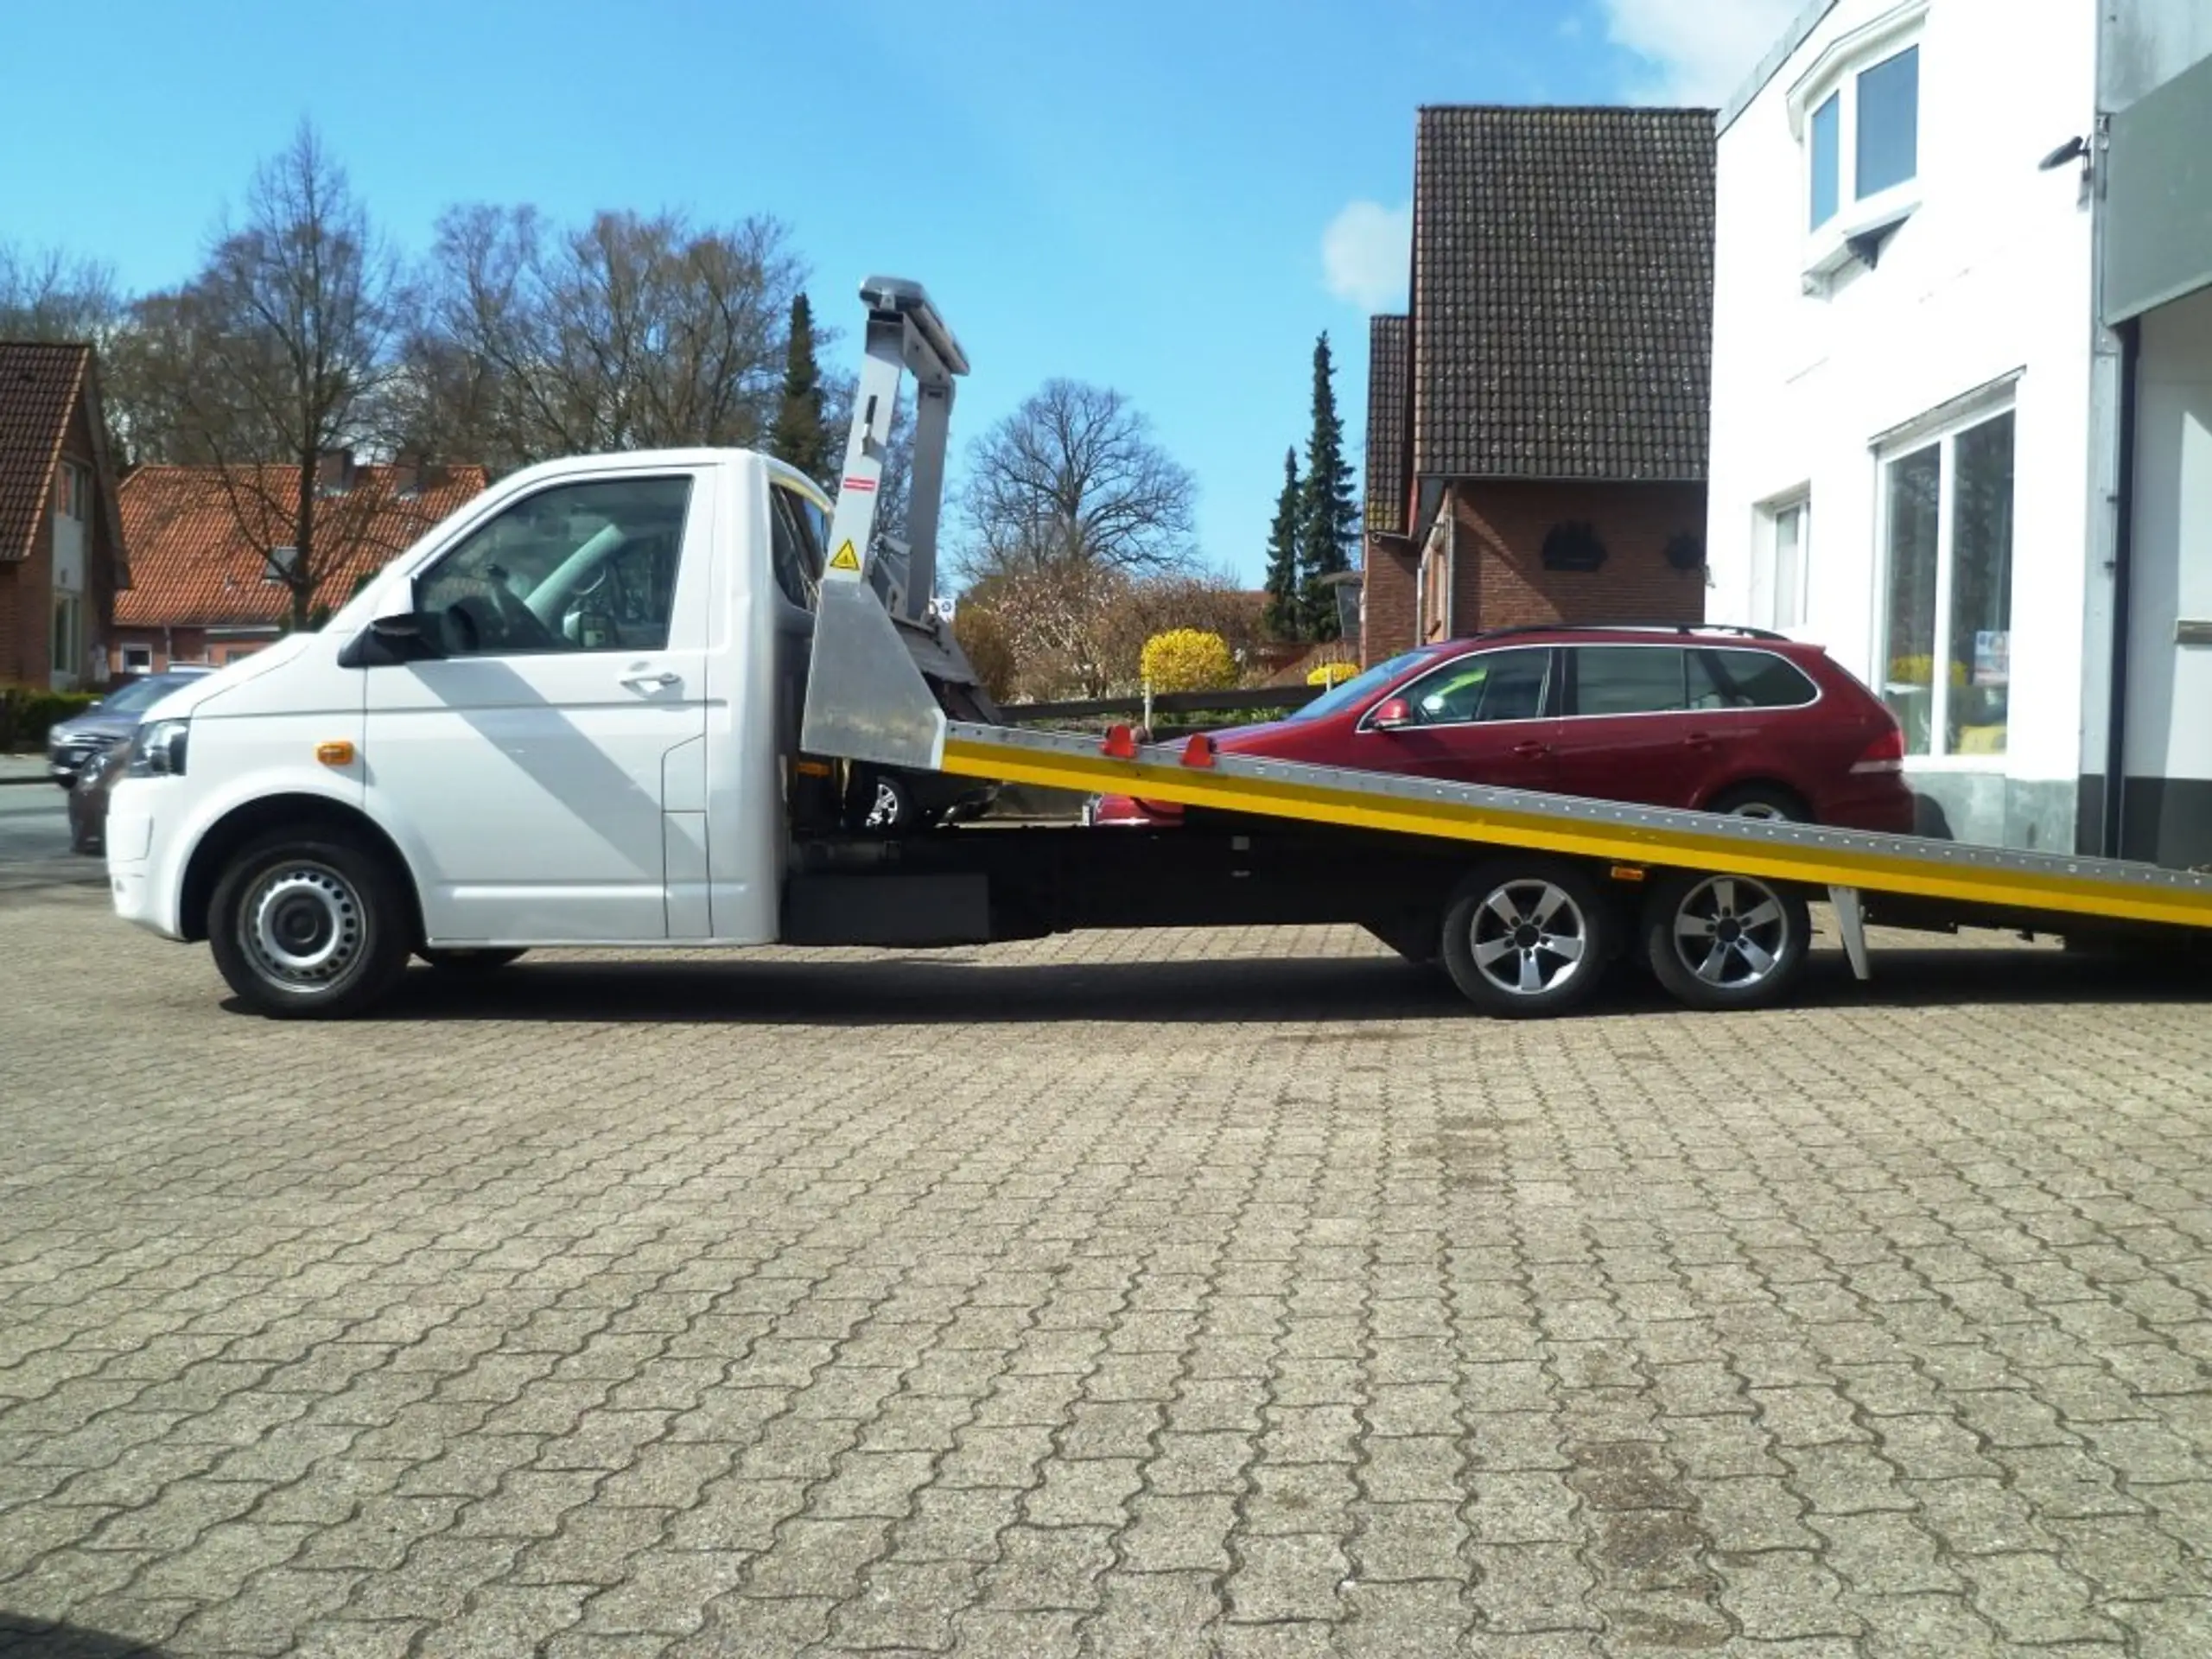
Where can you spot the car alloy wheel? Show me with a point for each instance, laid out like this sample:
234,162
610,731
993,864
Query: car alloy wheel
1527,939
1725,941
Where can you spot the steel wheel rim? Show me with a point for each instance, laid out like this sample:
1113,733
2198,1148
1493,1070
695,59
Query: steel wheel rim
1731,933
303,926
1530,937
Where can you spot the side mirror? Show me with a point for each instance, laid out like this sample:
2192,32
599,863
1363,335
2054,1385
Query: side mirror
408,626
388,641
1392,714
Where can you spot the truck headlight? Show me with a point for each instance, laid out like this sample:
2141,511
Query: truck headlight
157,749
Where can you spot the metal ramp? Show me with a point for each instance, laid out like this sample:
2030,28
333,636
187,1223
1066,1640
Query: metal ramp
868,700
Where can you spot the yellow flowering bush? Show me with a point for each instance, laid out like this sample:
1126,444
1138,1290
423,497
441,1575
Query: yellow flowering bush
1187,659
1329,674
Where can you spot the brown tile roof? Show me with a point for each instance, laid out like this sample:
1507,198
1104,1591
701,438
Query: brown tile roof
192,560
1562,292
39,385
1388,405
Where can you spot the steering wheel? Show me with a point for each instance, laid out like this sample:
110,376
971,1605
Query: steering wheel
521,622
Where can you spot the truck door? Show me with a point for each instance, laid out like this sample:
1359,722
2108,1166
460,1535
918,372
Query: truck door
541,762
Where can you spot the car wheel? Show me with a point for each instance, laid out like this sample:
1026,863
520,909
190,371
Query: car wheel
1760,801
1527,939
1725,941
308,926
460,960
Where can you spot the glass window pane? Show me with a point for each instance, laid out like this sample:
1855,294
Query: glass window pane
1827,146
580,567
1790,567
1490,685
1889,123
1909,679
1747,679
1627,680
1981,587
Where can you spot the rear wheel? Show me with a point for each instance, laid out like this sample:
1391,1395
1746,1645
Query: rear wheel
1725,941
1760,801
309,926
1527,940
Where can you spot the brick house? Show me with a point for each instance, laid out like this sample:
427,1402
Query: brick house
206,586
1537,420
61,534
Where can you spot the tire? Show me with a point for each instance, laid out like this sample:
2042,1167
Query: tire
309,926
1719,942
1760,801
1528,939
469,961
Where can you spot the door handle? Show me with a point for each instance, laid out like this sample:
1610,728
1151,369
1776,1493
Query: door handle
1532,750
644,681
1697,741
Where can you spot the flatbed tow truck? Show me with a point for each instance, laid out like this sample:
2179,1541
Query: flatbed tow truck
631,701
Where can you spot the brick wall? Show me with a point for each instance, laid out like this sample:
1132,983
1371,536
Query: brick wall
1501,579
26,608
1389,596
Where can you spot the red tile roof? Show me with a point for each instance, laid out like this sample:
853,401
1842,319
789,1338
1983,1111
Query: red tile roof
197,542
39,385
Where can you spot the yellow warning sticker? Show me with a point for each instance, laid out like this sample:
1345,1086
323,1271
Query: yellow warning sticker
844,559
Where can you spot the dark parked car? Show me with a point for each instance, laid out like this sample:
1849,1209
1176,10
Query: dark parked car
71,742
1714,719
88,796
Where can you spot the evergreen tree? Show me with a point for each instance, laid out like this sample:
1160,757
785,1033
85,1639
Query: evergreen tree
1285,614
1329,521
798,436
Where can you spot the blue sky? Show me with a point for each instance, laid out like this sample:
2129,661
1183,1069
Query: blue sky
1140,195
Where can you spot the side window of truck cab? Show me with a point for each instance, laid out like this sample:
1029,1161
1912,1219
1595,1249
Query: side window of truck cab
588,566
798,530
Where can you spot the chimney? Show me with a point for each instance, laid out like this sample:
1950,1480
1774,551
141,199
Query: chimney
407,474
333,472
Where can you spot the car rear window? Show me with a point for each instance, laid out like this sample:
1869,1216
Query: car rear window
1747,679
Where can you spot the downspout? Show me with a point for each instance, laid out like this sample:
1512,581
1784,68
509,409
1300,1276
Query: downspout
2123,542
1451,561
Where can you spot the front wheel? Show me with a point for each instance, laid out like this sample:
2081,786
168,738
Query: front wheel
1527,940
1725,941
308,926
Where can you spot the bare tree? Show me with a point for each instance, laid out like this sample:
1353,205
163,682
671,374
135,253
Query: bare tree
1072,478
626,332
49,295
276,358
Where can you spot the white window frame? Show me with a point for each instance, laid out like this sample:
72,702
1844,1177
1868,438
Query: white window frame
1770,607
136,659
1942,435
1836,70
278,565
67,629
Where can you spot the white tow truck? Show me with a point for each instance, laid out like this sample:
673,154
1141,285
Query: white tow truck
686,698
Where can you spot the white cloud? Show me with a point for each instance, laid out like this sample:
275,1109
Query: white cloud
1697,51
1365,252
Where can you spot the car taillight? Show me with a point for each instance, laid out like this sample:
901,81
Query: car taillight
1884,753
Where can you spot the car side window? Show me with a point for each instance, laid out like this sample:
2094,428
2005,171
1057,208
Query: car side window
795,545
1490,685
589,566
1629,680
1747,679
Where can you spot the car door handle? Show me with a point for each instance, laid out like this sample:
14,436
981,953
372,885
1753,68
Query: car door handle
644,681
1532,750
1698,741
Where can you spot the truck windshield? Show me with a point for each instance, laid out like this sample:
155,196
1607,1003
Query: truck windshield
1357,690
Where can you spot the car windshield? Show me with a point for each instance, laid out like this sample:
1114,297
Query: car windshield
1357,690
139,694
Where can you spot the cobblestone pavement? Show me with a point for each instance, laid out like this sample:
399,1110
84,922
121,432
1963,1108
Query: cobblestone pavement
1211,1294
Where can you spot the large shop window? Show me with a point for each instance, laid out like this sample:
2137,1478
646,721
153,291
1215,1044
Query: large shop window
1947,651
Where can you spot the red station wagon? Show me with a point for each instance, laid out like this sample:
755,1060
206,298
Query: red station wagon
1716,720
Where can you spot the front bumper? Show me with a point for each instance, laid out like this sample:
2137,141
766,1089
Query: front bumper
141,887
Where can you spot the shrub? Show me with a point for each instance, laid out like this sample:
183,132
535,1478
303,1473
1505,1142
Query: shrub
27,714
1187,659
1329,674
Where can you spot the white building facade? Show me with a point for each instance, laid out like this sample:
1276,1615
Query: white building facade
1916,405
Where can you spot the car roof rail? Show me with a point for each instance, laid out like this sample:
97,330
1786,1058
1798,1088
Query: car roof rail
1684,628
